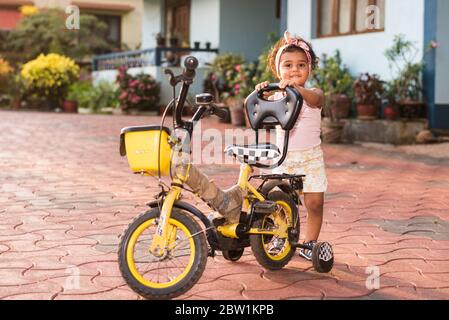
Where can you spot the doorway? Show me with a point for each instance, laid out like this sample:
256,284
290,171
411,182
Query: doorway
177,13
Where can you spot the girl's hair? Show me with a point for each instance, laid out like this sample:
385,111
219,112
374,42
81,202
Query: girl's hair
279,44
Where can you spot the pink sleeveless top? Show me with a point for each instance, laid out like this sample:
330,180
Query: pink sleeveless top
307,131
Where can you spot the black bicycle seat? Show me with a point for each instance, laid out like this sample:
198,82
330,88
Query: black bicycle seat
283,112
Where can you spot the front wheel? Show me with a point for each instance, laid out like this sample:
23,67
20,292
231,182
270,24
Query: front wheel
270,251
168,276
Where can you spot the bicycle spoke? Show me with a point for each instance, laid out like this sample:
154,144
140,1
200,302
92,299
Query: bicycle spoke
174,264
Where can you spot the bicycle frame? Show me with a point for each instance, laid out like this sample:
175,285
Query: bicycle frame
162,239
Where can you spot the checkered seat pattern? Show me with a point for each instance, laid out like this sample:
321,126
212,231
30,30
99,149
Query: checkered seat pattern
252,154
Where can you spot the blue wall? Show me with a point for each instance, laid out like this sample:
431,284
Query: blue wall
436,74
245,24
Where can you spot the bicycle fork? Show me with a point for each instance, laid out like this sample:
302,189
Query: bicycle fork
165,234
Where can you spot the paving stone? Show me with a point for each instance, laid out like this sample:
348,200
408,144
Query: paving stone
383,209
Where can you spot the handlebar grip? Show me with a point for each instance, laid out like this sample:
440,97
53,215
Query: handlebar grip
190,64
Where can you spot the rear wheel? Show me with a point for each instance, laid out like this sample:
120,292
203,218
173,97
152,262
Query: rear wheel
168,276
270,251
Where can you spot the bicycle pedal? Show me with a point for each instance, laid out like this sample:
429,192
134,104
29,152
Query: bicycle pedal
265,206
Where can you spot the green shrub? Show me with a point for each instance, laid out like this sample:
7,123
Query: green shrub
94,97
45,32
49,76
407,80
333,77
224,70
231,76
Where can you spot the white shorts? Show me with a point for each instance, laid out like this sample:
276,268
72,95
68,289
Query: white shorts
309,162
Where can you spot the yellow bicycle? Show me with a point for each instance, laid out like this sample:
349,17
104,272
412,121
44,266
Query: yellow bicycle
163,252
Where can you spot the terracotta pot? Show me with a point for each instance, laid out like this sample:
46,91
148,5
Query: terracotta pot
174,42
236,110
390,113
367,112
70,106
340,105
410,109
160,42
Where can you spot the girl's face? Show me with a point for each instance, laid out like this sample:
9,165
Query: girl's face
294,66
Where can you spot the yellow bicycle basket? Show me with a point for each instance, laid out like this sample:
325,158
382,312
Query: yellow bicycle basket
141,146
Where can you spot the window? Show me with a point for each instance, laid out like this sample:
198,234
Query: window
177,13
346,17
114,24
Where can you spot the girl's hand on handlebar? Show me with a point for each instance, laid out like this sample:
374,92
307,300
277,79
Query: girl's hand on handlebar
262,85
287,83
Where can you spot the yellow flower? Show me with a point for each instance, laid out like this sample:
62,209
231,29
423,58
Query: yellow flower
50,72
28,10
5,68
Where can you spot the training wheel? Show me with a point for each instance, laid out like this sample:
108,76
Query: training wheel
233,255
323,257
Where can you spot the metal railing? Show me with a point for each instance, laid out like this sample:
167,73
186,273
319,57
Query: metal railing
139,58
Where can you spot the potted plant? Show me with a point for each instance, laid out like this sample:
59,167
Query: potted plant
390,111
196,45
140,92
368,95
336,81
226,68
104,97
331,126
174,39
160,40
6,75
208,45
49,77
406,86
99,98
212,85
69,105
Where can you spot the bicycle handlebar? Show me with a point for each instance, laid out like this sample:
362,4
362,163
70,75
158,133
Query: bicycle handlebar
190,64
187,76
222,113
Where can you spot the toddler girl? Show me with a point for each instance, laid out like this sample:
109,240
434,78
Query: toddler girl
292,60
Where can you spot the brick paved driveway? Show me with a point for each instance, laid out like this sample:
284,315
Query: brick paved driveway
66,195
